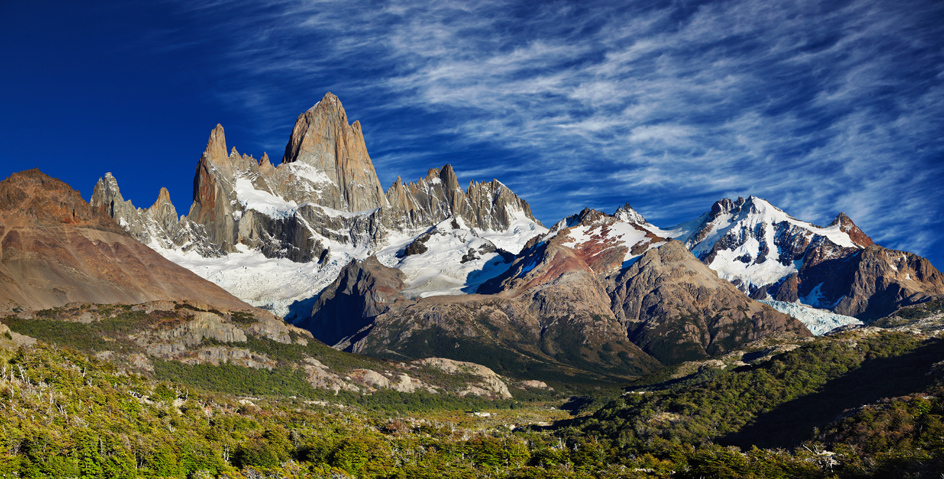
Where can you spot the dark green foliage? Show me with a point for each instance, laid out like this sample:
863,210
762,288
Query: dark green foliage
437,342
230,379
911,314
242,317
108,334
65,414
395,401
719,404
564,359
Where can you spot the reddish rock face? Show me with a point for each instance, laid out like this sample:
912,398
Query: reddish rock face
31,198
604,253
213,194
544,321
55,249
857,235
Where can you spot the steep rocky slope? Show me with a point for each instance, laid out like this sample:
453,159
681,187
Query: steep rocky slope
549,333
278,236
668,303
324,193
587,295
55,249
872,283
677,309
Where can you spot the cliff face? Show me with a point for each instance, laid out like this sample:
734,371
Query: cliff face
438,196
667,302
541,332
55,248
872,283
323,140
158,225
361,292
214,198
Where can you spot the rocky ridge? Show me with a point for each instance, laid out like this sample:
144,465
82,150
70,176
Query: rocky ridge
320,208
324,193
323,206
677,309
557,328
55,249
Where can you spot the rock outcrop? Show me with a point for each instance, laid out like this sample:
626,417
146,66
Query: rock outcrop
335,150
491,383
585,296
347,307
157,226
214,198
551,329
872,283
185,332
677,309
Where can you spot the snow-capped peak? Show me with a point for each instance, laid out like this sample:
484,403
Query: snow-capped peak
754,244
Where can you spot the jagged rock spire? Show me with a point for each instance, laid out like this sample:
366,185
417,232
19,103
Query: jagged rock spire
213,199
629,215
322,138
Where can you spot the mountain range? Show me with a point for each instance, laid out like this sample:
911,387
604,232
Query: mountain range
427,268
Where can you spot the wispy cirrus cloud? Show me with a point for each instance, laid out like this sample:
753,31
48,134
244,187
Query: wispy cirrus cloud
817,106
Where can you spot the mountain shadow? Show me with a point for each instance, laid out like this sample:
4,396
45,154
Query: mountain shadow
793,422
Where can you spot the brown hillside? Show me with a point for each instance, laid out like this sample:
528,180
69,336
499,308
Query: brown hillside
56,249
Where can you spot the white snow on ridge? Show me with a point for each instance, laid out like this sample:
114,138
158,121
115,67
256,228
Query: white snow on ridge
754,212
729,267
440,270
516,236
756,220
818,321
621,232
277,284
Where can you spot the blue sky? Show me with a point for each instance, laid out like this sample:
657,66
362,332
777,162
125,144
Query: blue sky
819,107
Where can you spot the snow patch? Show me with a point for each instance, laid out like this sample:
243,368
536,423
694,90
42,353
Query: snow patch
308,172
262,201
520,230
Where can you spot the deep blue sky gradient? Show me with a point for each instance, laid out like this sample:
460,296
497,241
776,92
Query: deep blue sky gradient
819,107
